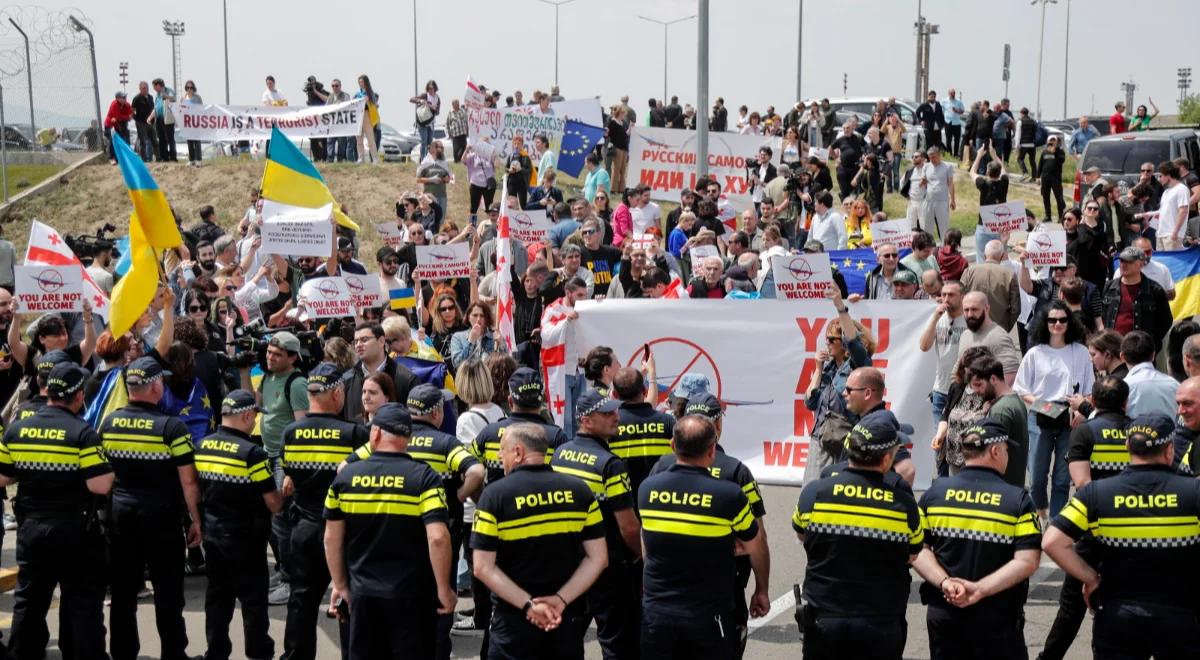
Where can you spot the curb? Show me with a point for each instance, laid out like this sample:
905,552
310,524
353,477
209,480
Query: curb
45,186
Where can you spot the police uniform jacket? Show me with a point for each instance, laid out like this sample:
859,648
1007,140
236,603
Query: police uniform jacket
860,532
643,436
31,407
233,478
689,523
1146,522
486,446
146,447
1101,442
52,454
589,459
313,448
728,468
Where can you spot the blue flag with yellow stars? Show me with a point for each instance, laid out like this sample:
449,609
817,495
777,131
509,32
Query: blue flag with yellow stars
855,264
578,141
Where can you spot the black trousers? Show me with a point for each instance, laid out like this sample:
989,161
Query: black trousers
459,146
1056,188
166,141
309,582
843,178
933,138
445,622
669,636
237,571
1024,153
481,194
318,147
194,152
58,552
953,139
971,634
402,629
146,538
1071,611
512,637
863,638
615,601
1139,631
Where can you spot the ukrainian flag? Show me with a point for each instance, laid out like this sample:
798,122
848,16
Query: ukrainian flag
1185,270
111,396
401,299
136,290
290,178
149,203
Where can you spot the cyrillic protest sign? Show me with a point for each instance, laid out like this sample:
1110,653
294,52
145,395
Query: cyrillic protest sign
767,426
215,122
48,288
442,262
801,276
501,124
665,159
365,290
1003,218
892,232
326,297
529,226
295,231
390,232
1046,247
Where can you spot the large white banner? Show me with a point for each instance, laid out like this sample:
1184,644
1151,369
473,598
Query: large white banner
501,124
665,159
296,231
215,122
763,381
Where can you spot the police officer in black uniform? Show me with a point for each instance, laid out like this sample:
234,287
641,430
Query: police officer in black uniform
643,433
538,540
860,533
38,401
691,523
387,544
239,497
313,448
1146,523
60,463
152,457
614,600
1096,451
982,544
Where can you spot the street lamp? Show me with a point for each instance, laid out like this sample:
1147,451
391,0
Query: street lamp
557,4
29,79
1041,49
80,27
702,89
1066,58
1185,81
174,30
665,25
225,30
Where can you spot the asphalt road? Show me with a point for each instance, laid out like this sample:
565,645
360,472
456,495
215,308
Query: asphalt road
772,637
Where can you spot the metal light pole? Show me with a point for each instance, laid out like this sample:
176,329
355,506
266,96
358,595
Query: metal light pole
225,30
124,78
80,27
1066,58
1041,49
557,4
416,80
800,52
3,147
920,25
702,89
1129,88
174,30
664,24
29,79
1185,81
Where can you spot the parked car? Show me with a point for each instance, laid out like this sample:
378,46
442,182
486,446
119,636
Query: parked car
396,145
1119,157
864,106
439,135
15,139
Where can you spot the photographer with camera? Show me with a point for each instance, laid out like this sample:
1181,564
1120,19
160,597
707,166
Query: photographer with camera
315,92
759,172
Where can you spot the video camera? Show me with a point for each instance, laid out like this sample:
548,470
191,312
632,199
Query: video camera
311,87
253,338
87,246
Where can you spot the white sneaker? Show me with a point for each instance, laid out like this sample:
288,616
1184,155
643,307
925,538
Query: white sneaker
279,595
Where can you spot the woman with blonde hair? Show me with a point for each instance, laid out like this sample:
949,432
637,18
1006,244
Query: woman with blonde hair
443,318
339,352
858,225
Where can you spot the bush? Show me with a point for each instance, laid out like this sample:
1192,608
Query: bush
1189,110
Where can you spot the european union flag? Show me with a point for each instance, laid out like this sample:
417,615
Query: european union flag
578,141
855,264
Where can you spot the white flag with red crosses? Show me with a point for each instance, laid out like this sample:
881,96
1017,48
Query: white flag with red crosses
47,248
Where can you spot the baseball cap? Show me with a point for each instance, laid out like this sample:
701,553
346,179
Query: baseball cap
814,247
424,399
344,243
594,402
985,432
65,379
691,385
905,276
326,376
874,433
286,340
1131,254
393,418
143,371
1150,431
52,359
704,404
525,384
239,401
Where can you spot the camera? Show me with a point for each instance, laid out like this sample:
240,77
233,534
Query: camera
311,88
87,246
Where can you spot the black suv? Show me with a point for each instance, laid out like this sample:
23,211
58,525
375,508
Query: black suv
1119,157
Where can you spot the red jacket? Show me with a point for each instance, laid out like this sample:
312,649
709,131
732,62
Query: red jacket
120,112
951,263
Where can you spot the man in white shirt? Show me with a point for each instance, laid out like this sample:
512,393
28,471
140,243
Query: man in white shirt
646,213
918,216
937,178
1155,270
1171,218
828,226
943,332
1151,392
272,96
983,331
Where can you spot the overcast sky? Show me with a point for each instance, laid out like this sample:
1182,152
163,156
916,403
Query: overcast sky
606,50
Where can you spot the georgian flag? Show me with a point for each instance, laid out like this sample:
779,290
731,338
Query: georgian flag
555,325
47,248
504,259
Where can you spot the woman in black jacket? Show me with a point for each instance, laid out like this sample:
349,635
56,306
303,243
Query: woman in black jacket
1049,172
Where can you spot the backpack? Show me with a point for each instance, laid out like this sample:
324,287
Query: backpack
1040,135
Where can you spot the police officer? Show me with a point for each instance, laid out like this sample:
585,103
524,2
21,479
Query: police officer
38,401
864,395
690,524
729,468
538,540
1187,428
1096,451
156,483
239,497
313,448
387,544
860,533
60,463
1146,522
643,433
982,544
614,599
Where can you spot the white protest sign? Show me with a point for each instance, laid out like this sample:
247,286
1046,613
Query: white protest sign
326,297
1046,247
1003,218
665,160
529,226
296,231
643,241
215,122
822,154
390,232
502,124
365,290
700,253
801,276
442,262
892,232
49,288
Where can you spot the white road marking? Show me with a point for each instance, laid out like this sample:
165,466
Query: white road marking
778,606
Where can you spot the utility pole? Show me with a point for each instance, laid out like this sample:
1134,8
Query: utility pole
1185,82
1041,50
3,147
1004,75
78,26
416,79
800,53
702,89
225,31
920,27
930,30
1066,58
665,25
557,4
124,67
174,30
845,80
29,80
1129,88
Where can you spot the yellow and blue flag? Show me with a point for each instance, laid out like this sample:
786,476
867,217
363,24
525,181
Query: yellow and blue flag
402,299
149,203
290,178
1185,270
578,141
136,290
